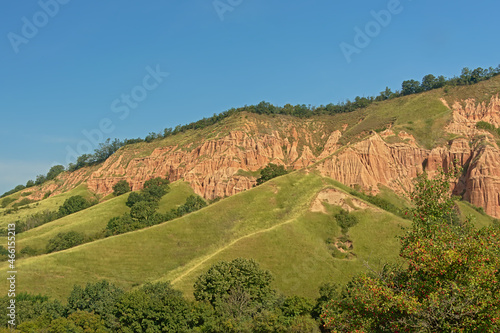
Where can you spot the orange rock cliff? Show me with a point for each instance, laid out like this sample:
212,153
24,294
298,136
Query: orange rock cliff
222,165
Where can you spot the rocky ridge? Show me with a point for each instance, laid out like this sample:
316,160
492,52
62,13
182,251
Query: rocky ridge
223,165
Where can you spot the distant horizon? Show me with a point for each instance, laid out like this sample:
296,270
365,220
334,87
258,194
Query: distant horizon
85,72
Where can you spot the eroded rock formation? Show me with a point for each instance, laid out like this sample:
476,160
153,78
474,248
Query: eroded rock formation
223,165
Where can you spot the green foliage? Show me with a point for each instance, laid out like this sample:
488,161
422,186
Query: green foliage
121,187
54,172
28,251
73,204
7,201
154,308
242,274
65,240
143,210
488,127
449,283
432,203
345,220
23,202
100,298
295,306
381,203
102,153
35,220
410,87
134,198
192,204
122,224
36,308
271,171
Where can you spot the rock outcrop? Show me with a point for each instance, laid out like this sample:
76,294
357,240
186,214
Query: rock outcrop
223,165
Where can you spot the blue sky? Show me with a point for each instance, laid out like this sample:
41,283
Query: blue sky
66,65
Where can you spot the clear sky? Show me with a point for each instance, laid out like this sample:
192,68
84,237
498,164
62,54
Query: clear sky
72,67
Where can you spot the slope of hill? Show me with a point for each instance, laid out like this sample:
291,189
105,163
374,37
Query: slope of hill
92,221
386,143
287,224
273,223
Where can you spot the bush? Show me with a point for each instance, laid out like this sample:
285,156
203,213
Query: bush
65,240
155,308
192,204
134,198
74,204
447,283
36,220
28,251
23,202
100,298
223,277
345,220
122,224
143,210
121,187
7,201
271,171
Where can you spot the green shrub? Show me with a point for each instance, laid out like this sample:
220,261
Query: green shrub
121,187
73,204
345,220
7,201
23,202
65,240
271,171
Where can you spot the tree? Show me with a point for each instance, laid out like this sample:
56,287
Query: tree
73,204
65,240
271,171
33,311
409,87
386,94
449,282
143,210
154,308
54,172
121,187
40,179
100,297
79,321
154,189
134,198
192,204
223,277
429,82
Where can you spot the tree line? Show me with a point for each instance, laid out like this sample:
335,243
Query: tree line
408,87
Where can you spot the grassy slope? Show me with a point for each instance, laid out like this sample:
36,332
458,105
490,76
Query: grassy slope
479,220
270,223
94,219
52,203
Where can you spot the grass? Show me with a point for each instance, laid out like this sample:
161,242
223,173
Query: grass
52,203
274,227
479,220
93,220
422,115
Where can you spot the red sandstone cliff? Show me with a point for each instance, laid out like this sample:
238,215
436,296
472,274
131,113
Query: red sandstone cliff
220,166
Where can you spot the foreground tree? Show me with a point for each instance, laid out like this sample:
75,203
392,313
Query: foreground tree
449,283
238,276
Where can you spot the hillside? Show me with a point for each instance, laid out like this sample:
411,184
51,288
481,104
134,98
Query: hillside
387,144
287,224
271,223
